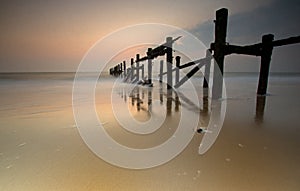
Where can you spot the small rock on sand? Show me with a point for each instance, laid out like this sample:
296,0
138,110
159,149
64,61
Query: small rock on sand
22,144
240,145
9,166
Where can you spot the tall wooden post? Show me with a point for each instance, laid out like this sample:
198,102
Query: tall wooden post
149,68
161,70
177,69
124,66
266,53
132,69
137,67
219,52
169,59
207,69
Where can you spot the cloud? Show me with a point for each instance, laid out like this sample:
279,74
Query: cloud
280,18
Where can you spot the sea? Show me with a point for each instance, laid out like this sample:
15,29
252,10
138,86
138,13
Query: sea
48,140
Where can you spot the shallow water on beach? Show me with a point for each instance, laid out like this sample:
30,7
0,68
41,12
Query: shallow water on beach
41,149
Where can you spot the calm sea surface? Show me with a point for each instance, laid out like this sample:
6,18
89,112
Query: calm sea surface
41,148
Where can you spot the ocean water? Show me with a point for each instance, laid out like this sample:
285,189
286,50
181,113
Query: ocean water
41,148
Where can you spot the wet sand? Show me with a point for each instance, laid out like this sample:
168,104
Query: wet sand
41,149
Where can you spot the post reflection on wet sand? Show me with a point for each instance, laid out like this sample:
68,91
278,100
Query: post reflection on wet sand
260,109
140,99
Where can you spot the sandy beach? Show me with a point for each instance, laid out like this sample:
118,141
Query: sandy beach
41,148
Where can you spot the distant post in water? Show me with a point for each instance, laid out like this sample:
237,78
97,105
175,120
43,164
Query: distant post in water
219,51
177,69
169,59
266,53
137,67
161,70
124,66
115,70
132,69
149,68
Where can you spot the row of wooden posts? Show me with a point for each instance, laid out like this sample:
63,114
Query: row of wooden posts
218,50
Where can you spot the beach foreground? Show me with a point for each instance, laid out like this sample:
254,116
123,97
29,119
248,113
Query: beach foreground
41,148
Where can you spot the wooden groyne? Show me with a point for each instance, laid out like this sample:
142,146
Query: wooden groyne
218,50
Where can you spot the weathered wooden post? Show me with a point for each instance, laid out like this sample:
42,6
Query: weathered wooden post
161,70
169,59
177,69
137,67
132,69
115,70
143,72
124,66
149,68
266,53
121,68
207,69
219,51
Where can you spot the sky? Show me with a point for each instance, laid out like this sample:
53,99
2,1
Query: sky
53,36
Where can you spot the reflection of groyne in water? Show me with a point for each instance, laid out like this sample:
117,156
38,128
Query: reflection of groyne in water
218,50
260,108
141,98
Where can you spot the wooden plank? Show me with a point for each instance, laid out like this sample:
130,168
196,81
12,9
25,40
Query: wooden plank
192,63
287,41
254,50
189,74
